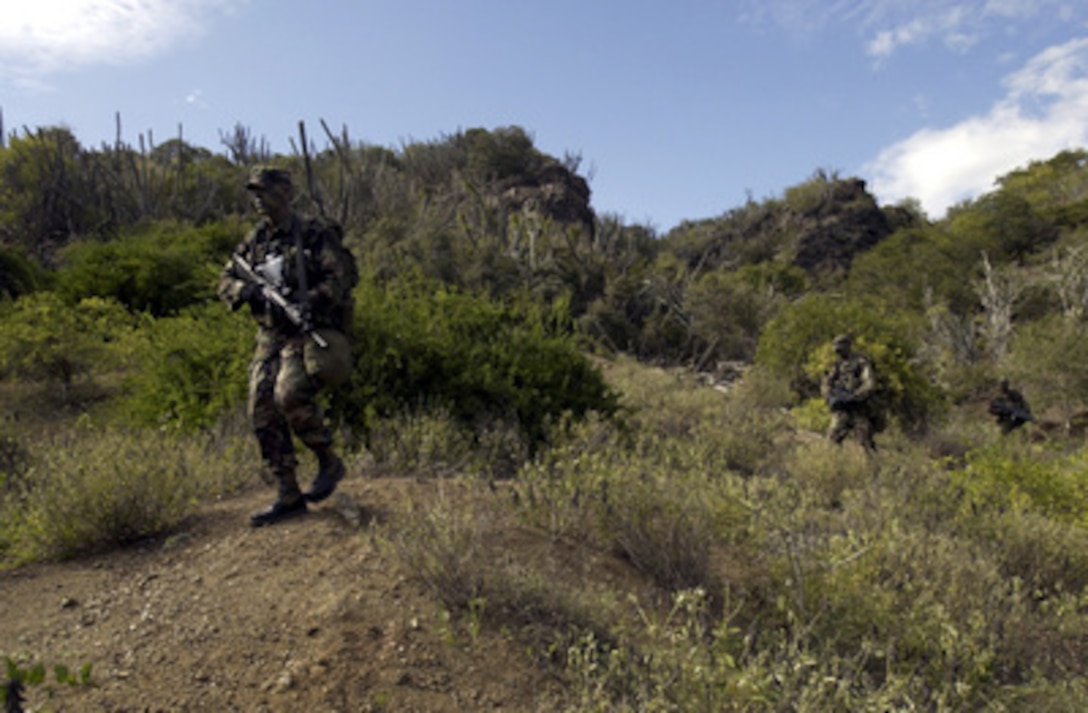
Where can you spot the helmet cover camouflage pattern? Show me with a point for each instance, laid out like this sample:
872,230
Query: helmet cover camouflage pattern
262,178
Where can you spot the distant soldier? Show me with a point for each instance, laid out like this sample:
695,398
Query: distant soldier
1009,408
848,389
291,272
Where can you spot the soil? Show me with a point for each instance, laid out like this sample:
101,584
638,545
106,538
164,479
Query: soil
305,615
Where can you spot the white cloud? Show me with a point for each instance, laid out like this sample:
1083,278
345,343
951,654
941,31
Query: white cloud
1042,113
948,23
41,37
891,25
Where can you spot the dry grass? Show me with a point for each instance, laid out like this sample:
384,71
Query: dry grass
767,569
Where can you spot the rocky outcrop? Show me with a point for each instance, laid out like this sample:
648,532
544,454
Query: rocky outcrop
555,192
846,222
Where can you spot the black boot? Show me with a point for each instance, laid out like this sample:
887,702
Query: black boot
289,503
277,511
329,473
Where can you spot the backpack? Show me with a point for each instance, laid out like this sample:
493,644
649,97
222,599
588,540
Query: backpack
351,275
331,365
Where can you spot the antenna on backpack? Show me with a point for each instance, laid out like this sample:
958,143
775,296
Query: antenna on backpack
315,196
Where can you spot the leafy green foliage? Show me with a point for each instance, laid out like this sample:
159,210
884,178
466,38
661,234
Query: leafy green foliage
1004,225
159,270
730,308
500,154
780,573
41,180
189,370
797,345
19,677
1047,357
1003,478
18,274
1056,188
420,344
48,339
889,272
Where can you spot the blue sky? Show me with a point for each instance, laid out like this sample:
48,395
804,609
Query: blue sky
680,109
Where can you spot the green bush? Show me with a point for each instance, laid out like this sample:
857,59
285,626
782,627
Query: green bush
159,269
113,489
190,369
47,339
89,488
420,346
1003,478
1047,360
18,273
796,345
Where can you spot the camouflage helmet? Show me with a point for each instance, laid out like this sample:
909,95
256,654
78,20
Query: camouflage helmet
843,341
262,178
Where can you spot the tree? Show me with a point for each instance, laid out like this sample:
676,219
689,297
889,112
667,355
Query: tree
890,271
43,193
48,340
159,269
1047,356
729,308
18,274
1068,271
998,291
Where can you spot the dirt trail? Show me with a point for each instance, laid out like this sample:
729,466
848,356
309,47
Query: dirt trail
302,616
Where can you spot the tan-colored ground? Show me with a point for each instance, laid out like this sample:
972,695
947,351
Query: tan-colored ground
307,615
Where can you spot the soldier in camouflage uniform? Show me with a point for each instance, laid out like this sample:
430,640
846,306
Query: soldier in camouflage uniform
1009,408
848,389
292,253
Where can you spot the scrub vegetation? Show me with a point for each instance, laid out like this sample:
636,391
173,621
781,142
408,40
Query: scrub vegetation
578,383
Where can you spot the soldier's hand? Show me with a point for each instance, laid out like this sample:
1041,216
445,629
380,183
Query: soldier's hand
306,316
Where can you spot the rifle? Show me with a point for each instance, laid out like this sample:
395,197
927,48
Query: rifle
292,310
1011,413
841,399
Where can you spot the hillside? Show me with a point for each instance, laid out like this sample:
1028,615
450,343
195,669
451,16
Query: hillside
537,534
307,616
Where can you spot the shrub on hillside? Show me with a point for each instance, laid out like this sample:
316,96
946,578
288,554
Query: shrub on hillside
421,346
415,351
796,345
18,273
190,369
89,489
1004,478
1047,360
159,269
48,340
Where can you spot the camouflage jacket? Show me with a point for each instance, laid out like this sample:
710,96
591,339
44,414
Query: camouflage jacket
852,378
1011,406
273,251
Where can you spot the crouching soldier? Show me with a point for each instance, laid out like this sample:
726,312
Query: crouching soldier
1009,408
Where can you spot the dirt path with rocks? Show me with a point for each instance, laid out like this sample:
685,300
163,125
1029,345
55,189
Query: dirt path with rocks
305,615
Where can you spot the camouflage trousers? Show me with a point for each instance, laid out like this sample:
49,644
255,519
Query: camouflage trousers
282,402
843,422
